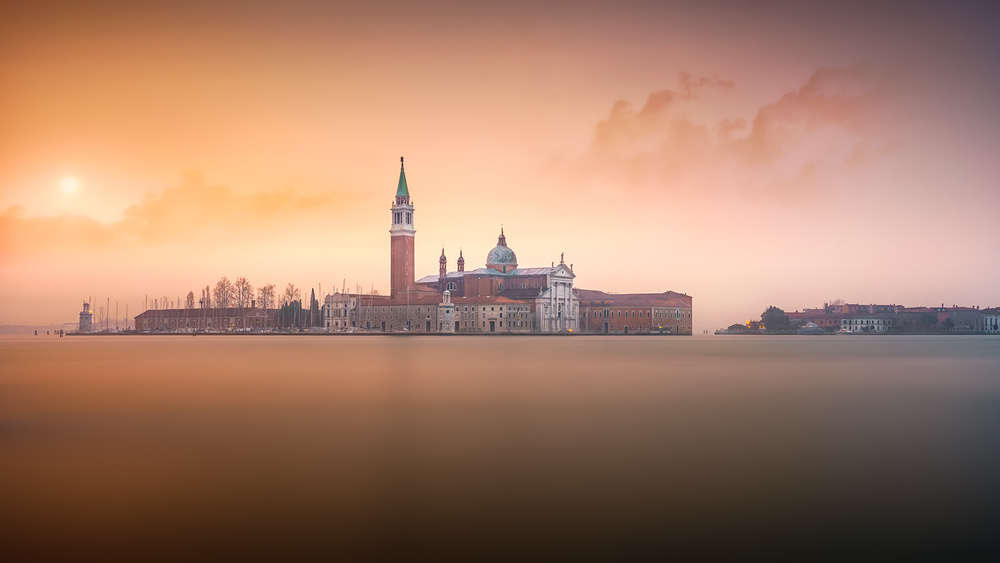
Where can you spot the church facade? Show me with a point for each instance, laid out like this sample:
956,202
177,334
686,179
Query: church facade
499,298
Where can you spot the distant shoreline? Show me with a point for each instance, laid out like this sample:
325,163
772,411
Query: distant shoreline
491,334
504,334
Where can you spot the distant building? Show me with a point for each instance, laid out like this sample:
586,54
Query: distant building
965,319
991,321
878,319
829,318
738,329
857,308
867,324
632,313
86,319
209,319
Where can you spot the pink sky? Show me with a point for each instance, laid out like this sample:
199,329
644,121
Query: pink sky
748,155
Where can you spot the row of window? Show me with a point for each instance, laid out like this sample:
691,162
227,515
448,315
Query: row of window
678,314
472,324
198,323
452,286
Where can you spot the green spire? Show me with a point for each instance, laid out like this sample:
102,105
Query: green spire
402,190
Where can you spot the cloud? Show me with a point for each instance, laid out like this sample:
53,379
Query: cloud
182,211
849,99
26,236
624,125
789,147
187,212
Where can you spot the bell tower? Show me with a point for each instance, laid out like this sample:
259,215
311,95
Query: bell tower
402,233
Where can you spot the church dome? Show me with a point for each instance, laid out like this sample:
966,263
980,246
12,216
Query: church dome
501,257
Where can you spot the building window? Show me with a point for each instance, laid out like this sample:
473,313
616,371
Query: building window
499,286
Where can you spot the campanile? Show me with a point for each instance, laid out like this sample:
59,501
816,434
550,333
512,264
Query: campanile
402,234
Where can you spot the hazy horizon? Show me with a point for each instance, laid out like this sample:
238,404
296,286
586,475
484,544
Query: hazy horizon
746,154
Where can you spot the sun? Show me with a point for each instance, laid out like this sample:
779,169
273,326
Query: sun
69,185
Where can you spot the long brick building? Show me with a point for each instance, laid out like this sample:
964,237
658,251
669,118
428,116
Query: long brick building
210,319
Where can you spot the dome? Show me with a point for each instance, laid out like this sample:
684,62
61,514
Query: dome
501,257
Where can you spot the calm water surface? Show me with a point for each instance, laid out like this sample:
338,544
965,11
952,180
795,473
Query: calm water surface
470,448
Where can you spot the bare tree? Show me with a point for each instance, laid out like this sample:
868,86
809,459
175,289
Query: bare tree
189,302
206,297
292,293
265,296
242,292
223,293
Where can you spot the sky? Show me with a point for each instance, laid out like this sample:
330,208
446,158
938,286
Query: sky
745,153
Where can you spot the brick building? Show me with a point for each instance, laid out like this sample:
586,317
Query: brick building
210,319
632,313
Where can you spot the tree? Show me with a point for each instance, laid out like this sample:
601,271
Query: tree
837,302
265,296
290,314
314,318
928,318
292,293
189,302
223,293
949,324
242,292
206,298
774,319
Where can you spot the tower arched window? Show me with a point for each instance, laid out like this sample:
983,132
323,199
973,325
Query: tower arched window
452,286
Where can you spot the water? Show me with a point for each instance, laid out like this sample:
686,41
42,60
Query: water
394,448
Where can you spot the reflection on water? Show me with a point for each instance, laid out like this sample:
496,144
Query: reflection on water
479,447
